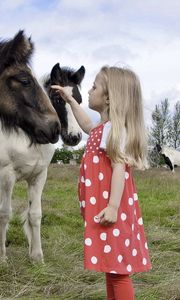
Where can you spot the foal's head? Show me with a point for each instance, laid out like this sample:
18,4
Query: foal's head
23,103
70,131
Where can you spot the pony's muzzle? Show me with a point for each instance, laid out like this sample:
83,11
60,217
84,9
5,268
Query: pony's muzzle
70,139
49,134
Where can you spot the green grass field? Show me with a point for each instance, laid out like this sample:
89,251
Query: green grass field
62,276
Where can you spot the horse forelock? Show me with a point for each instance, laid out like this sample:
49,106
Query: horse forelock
15,51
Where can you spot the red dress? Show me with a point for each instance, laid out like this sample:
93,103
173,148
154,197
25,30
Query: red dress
119,248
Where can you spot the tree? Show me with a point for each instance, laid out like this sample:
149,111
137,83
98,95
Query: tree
64,155
175,130
161,120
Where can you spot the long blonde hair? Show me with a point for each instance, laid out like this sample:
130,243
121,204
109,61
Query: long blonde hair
125,112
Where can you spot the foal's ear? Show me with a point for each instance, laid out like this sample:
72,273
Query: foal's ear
78,76
55,74
17,50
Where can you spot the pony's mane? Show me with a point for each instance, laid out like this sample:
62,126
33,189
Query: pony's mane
66,77
15,51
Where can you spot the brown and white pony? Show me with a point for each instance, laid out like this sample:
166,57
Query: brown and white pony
29,125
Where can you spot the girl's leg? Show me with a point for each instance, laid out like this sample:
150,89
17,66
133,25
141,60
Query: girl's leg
119,287
122,287
109,287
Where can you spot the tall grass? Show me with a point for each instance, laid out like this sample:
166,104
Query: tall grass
62,276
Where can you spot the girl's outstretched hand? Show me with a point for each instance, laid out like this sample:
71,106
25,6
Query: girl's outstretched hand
108,215
64,92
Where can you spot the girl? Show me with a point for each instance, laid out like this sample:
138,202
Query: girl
114,235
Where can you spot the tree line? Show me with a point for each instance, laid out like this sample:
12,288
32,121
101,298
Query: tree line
64,155
165,128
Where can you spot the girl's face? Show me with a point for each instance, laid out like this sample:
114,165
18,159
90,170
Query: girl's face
97,97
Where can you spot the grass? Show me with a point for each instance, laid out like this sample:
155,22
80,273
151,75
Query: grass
62,276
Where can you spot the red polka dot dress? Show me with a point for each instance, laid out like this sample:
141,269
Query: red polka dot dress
119,248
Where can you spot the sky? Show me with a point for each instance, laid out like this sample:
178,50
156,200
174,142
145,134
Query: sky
143,35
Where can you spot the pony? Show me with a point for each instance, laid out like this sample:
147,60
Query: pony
171,156
65,76
29,126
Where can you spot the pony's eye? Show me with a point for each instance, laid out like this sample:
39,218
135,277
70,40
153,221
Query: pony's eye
25,81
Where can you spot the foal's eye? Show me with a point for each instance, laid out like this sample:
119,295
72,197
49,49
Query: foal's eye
25,81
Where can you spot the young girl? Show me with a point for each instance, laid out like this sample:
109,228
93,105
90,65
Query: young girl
114,239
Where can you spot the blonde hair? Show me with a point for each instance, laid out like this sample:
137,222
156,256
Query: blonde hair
125,112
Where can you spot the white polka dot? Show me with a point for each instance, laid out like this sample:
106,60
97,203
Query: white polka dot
132,227
126,175
144,261
123,217
103,236
94,260
85,166
120,258
113,272
134,252
127,242
85,223
87,182
107,249
95,159
83,203
96,220
88,242
140,221
101,176
146,246
130,201
116,232
138,236
93,200
82,179
129,268
105,195
135,197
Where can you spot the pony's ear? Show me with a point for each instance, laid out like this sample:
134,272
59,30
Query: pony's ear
17,50
78,76
55,75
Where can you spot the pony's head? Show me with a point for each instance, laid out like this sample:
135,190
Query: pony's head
70,130
23,103
158,148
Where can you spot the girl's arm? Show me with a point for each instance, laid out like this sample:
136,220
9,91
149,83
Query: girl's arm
82,118
109,214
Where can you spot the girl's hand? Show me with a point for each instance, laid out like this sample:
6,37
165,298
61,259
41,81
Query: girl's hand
108,215
64,92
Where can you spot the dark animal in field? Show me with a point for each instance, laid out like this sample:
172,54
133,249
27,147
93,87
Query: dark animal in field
29,125
70,130
171,156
